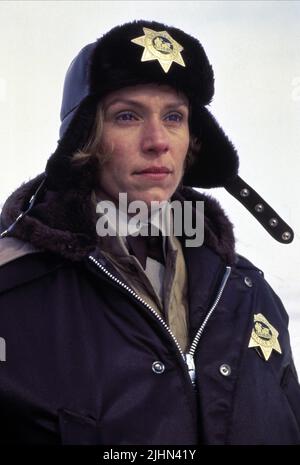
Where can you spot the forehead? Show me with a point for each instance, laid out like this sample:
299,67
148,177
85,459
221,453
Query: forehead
144,93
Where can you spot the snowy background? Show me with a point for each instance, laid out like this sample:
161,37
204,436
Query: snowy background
255,51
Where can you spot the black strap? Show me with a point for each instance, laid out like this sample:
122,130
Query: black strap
257,206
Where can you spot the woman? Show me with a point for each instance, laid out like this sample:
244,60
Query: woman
108,342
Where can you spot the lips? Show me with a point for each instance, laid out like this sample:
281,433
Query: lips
154,174
154,170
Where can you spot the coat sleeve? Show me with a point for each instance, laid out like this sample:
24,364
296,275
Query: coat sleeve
267,395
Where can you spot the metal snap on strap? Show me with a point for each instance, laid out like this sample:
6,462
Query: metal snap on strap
259,207
286,236
245,193
273,222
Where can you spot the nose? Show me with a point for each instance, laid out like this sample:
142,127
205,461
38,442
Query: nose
155,138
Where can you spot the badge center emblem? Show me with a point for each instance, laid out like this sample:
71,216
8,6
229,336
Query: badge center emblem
162,45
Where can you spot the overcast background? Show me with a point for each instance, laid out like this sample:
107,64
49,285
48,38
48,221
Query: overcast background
255,51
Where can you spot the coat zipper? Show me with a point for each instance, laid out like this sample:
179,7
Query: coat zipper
189,356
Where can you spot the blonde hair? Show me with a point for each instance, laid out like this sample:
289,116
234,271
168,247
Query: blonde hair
93,147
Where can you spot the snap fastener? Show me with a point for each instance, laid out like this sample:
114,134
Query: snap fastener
225,369
244,192
248,281
259,208
273,222
158,367
286,236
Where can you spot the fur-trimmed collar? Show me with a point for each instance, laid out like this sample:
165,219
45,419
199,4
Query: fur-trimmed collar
65,223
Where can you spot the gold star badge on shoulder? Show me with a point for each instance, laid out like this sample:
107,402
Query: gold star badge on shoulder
264,336
160,46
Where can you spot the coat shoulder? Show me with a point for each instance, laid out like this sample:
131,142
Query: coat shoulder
267,297
20,263
12,248
242,263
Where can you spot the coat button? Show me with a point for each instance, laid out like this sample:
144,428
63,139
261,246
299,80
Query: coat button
225,369
158,367
248,281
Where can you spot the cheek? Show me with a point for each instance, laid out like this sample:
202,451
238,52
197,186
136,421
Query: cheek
120,153
118,166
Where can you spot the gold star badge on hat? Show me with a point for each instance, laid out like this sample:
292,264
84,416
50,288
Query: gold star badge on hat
264,336
160,46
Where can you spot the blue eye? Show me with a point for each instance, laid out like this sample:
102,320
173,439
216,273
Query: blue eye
125,116
174,117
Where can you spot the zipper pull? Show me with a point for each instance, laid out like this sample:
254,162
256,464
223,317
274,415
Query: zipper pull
189,360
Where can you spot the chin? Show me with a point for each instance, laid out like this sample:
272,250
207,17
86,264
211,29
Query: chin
155,198
155,194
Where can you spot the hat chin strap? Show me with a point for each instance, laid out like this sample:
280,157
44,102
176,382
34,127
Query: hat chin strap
257,206
238,188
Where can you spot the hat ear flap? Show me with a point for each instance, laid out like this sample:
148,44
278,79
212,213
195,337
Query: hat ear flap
216,161
61,172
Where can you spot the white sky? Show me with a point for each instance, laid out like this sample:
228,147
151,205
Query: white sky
255,51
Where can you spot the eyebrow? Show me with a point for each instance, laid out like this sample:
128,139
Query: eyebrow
132,102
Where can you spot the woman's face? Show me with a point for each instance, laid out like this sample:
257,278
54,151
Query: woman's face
146,132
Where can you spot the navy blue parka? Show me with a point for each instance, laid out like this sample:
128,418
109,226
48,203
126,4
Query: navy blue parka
87,362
